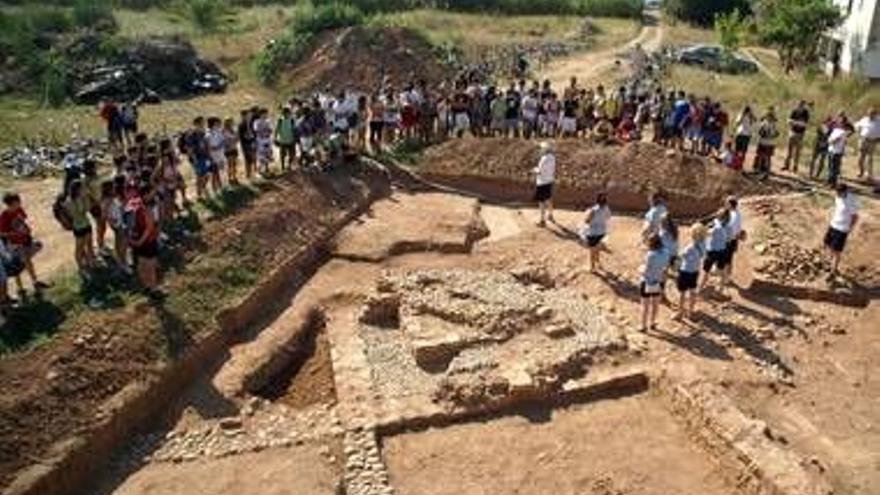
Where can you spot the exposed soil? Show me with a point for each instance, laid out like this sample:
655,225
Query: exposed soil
359,58
56,390
297,470
581,450
503,169
308,379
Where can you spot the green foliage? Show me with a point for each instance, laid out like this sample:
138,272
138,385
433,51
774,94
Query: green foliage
208,16
794,27
94,13
54,81
730,29
703,12
308,20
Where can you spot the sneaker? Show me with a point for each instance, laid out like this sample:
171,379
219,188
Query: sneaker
39,285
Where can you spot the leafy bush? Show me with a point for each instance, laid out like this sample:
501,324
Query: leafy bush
88,13
703,12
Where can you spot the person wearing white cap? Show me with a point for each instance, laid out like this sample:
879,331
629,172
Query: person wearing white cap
545,175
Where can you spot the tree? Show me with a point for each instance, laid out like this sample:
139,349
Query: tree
794,28
730,28
703,12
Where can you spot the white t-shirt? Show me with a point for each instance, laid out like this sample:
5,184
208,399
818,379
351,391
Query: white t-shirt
868,128
837,141
546,170
599,220
844,209
734,226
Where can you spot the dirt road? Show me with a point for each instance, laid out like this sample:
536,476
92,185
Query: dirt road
594,67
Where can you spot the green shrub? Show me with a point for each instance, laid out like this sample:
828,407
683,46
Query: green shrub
42,19
206,15
703,12
314,19
89,13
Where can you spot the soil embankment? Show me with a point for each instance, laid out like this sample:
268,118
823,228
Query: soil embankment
502,169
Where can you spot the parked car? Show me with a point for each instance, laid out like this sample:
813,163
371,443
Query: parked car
714,57
653,4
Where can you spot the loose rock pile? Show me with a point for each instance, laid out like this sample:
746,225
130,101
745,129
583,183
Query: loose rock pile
41,160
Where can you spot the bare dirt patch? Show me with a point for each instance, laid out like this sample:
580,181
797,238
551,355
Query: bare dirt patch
276,472
650,455
308,379
359,58
502,169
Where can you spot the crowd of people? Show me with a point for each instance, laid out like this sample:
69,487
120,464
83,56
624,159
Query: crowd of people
712,244
146,189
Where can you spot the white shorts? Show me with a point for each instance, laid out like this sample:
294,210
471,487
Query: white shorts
569,124
219,159
462,122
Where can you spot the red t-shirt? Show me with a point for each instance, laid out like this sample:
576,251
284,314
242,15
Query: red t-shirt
14,227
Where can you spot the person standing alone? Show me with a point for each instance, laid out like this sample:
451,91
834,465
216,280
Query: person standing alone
843,221
545,175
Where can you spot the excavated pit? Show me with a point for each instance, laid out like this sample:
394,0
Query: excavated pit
308,378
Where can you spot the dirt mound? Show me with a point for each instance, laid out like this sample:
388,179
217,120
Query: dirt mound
502,169
360,57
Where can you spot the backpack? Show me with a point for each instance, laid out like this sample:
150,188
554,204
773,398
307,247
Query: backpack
62,216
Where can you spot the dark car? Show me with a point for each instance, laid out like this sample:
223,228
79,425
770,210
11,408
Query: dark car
715,58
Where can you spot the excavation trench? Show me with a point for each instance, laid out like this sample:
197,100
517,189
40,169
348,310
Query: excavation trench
343,380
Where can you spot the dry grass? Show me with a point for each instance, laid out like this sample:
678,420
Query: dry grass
480,31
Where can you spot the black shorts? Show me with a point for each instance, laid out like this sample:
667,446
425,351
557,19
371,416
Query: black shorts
835,240
716,258
543,192
376,126
741,143
732,248
594,240
83,232
645,294
131,127
148,250
687,281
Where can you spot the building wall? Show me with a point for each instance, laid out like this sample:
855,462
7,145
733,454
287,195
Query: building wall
859,35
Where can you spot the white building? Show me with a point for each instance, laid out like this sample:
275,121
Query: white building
854,47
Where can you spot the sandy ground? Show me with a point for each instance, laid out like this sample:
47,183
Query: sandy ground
289,472
577,451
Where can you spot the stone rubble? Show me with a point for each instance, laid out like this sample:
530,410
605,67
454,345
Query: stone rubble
365,471
267,427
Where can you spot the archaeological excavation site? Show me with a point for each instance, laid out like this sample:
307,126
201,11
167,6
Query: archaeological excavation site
428,338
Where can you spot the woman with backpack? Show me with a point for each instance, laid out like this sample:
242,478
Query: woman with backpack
77,206
16,233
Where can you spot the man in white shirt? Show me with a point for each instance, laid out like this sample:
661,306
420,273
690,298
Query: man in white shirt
735,232
843,221
545,175
836,150
869,133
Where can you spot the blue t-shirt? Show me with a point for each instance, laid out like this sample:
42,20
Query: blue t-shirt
655,265
680,111
717,237
670,244
692,257
653,216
